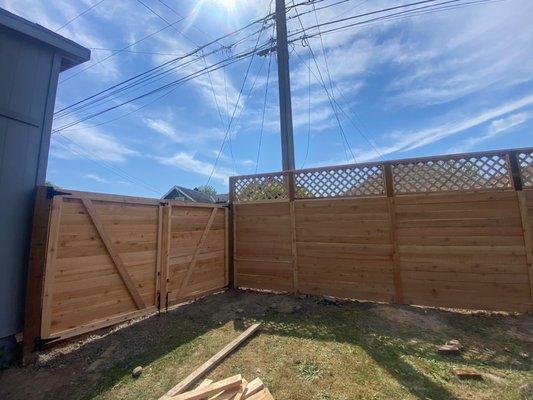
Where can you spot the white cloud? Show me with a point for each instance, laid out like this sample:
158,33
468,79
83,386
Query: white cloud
87,141
503,124
188,162
96,178
410,140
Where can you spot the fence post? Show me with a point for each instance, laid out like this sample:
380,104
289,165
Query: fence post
396,267
165,251
514,165
289,176
35,275
230,242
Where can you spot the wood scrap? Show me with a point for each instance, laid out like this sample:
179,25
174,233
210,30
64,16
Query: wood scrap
253,387
210,364
467,373
211,389
262,395
447,349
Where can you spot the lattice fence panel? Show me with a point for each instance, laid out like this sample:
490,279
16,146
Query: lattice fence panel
468,173
525,161
254,188
340,182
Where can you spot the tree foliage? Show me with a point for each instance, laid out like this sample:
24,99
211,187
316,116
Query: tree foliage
208,190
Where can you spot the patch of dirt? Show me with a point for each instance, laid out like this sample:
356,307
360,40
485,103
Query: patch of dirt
520,329
417,317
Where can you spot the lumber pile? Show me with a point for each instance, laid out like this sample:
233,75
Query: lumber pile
232,388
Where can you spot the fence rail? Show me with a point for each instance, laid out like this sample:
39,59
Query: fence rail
450,231
99,259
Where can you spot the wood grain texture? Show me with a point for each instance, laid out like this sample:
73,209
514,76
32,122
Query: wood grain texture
109,260
465,250
121,268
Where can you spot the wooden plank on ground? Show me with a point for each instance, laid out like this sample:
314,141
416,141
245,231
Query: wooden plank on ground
196,252
211,363
209,390
253,387
126,278
262,395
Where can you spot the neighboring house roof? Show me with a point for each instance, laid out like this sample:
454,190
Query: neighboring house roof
189,195
72,53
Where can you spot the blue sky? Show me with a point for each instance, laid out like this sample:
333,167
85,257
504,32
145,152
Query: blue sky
451,81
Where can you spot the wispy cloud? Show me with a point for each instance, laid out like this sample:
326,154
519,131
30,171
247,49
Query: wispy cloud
90,142
410,140
188,162
495,128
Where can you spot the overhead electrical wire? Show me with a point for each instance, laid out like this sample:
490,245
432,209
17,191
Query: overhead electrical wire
360,131
79,15
156,71
447,5
79,150
235,108
263,115
344,139
213,67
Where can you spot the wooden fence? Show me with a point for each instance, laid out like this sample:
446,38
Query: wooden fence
452,231
97,260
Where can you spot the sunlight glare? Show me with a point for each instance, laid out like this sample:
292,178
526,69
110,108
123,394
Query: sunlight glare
228,4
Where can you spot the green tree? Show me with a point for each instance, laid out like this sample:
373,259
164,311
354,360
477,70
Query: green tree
208,190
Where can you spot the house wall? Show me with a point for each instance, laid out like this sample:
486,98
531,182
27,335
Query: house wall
28,82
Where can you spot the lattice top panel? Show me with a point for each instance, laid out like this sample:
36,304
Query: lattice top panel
468,173
526,168
340,182
254,188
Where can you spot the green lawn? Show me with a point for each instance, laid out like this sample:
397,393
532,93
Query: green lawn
310,350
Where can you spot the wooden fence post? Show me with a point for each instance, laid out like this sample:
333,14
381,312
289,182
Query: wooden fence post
396,267
291,191
528,237
514,165
165,252
230,243
35,275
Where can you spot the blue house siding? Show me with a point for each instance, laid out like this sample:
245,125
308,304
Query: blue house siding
29,69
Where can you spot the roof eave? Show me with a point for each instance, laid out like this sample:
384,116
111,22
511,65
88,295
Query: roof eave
73,53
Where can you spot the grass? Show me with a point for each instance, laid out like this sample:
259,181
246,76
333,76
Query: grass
327,352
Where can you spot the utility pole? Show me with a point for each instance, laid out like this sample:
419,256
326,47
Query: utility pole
284,84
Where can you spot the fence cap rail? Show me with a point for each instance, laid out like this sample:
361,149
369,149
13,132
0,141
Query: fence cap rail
452,156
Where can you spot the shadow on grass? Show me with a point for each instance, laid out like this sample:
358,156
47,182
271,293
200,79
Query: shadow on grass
352,323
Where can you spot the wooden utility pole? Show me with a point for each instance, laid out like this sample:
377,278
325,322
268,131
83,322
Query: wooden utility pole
285,107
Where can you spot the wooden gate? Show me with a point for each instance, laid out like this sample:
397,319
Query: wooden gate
97,260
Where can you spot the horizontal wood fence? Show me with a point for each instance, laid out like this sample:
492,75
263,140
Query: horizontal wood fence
452,231
97,260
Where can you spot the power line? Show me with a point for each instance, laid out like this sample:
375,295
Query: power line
79,15
406,13
308,117
98,161
153,72
214,67
234,109
331,86
344,139
263,115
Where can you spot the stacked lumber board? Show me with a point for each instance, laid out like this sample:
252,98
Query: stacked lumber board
232,388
